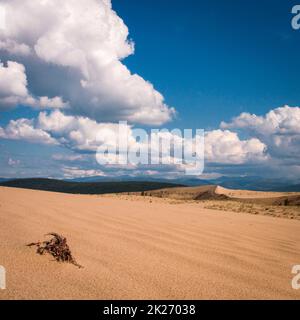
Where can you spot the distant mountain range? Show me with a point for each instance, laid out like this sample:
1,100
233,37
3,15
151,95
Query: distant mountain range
251,182
97,185
245,183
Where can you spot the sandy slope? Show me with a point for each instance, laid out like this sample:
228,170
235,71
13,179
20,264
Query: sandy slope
215,192
134,249
249,194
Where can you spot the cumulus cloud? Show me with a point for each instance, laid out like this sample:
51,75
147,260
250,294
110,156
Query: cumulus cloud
68,157
14,48
283,120
13,89
88,38
85,135
75,172
23,129
279,129
75,132
224,146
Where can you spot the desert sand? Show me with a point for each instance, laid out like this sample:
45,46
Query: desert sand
214,192
249,194
277,204
140,248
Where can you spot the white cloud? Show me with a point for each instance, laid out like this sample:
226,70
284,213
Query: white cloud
23,129
87,37
279,129
78,133
86,135
12,163
68,157
13,89
283,120
15,48
75,172
13,80
224,146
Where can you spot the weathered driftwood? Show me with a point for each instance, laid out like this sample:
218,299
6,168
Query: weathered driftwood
57,246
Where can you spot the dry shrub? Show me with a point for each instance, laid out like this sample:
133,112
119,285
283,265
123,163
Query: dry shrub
57,246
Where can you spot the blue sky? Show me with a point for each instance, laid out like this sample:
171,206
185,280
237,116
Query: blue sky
211,61
214,59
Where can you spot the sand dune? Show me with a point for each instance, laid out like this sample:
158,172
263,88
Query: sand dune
249,194
184,193
137,249
213,192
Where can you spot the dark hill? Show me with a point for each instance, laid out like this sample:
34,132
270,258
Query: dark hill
86,187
